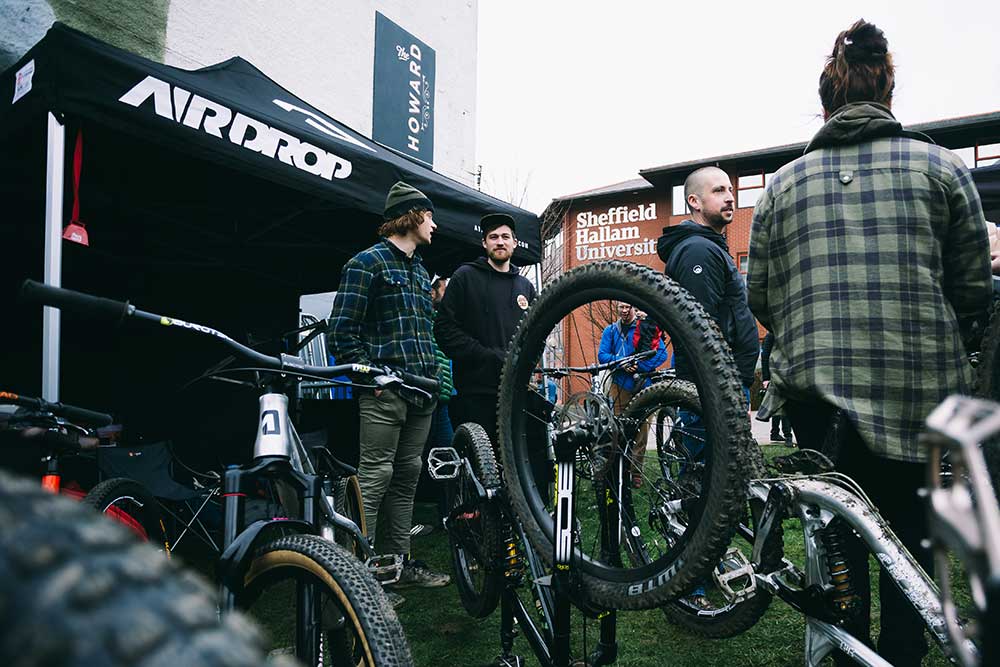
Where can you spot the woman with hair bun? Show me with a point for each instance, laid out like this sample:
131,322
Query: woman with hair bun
868,259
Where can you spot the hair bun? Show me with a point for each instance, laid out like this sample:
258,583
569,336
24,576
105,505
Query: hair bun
865,43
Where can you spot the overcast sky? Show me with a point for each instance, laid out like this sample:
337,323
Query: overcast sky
576,95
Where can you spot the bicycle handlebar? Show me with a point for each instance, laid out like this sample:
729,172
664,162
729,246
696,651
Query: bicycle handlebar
93,307
69,412
108,309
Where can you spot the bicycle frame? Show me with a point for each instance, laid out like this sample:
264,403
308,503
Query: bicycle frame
816,500
277,437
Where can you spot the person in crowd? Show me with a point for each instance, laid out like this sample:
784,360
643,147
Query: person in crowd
696,255
441,432
868,256
383,315
781,426
624,338
484,302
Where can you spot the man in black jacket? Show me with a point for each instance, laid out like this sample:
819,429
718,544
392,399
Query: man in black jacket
697,257
481,308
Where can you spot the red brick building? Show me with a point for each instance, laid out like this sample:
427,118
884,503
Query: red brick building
624,220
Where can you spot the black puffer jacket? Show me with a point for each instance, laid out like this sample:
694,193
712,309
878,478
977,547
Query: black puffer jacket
698,258
477,319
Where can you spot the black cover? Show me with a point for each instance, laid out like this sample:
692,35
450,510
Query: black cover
85,79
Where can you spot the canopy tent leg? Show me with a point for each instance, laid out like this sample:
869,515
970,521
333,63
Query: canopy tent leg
54,172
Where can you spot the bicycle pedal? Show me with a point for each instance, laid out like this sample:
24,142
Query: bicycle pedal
443,463
509,661
736,580
386,569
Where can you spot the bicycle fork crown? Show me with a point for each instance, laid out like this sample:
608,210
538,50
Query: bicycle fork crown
273,436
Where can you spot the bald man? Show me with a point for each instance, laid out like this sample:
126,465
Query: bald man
697,257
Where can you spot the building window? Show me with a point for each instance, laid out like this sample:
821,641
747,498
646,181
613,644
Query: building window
743,261
677,200
968,155
987,154
749,188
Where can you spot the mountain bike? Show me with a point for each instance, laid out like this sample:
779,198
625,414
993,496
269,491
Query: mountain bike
574,310
830,507
578,526
57,430
331,608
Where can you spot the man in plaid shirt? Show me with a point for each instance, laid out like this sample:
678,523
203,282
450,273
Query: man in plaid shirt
383,316
867,257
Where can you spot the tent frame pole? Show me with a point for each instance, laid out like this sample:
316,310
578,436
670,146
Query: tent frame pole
54,183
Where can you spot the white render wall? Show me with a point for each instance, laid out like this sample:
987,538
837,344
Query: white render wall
324,52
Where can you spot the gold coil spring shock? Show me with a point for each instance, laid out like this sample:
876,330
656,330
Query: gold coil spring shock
513,564
844,598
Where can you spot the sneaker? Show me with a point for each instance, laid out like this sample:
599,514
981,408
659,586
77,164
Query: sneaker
776,437
421,529
395,599
699,602
416,573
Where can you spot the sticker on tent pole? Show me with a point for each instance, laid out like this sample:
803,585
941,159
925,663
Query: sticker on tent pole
22,81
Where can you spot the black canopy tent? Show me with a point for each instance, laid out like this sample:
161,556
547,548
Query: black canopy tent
214,195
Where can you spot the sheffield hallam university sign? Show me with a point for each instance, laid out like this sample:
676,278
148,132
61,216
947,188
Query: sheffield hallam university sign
403,108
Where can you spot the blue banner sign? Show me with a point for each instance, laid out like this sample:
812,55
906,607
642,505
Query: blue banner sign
403,109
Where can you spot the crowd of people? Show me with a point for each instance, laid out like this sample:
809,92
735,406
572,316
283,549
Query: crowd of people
869,261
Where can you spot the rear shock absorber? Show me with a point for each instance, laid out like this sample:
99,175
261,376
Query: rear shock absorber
844,599
513,563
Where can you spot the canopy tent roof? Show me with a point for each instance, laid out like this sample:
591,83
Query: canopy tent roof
229,168
212,195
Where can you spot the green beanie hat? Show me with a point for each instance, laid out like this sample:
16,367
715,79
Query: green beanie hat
403,198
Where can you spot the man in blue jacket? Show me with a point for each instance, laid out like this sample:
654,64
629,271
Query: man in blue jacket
697,256
618,341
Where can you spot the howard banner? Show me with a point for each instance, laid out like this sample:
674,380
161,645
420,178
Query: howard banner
403,109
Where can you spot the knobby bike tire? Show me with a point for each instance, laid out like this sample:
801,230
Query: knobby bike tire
120,494
76,589
370,631
734,618
476,541
667,304
347,501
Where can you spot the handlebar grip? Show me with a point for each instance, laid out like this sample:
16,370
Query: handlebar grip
93,307
427,384
82,415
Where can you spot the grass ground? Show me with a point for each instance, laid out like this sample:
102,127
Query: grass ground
441,633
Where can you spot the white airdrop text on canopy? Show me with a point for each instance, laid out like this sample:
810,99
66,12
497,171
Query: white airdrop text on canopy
199,113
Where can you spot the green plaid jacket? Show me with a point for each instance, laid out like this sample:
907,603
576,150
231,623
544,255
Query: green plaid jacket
383,312
865,254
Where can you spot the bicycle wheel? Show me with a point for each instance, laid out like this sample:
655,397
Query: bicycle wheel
131,504
356,624
572,313
77,589
474,527
727,602
347,501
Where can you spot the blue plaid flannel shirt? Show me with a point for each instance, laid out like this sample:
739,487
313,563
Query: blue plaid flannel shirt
383,313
